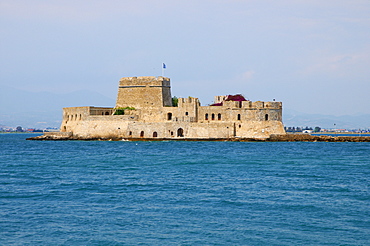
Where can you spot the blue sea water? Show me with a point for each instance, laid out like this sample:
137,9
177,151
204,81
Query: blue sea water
183,193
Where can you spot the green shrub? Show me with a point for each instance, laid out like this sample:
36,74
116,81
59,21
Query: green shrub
121,111
175,101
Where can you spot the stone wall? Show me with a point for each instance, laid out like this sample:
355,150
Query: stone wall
125,127
155,117
144,92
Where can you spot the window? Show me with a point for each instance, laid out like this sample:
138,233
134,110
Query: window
206,117
186,113
219,116
142,134
213,116
239,117
266,117
155,134
130,133
180,132
169,116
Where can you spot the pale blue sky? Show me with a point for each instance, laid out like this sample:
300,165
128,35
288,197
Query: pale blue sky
312,55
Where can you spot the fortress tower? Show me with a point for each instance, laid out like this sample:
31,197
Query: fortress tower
144,92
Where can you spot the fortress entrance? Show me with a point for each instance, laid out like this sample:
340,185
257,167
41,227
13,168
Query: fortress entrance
180,132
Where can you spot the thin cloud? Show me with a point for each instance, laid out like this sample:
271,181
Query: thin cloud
338,64
248,75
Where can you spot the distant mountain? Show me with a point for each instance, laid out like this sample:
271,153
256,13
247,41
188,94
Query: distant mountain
295,118
43,109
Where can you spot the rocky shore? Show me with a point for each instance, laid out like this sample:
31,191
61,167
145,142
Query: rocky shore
272,138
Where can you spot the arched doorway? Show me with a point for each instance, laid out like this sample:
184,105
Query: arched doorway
155,134
142,134
180,132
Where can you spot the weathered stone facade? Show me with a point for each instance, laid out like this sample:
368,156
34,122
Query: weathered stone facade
149,114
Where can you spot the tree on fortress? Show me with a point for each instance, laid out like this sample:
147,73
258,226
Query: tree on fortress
121,111
175,101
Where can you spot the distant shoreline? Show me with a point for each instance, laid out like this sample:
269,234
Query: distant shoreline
272,138
21,132
349,134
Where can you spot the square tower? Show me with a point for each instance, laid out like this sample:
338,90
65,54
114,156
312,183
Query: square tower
144,92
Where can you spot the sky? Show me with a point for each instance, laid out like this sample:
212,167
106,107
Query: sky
312,55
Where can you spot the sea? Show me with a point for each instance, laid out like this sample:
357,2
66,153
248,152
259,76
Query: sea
183,193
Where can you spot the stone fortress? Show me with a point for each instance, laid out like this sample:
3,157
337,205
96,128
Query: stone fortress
145,109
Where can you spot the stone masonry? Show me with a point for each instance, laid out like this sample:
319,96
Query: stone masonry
150,114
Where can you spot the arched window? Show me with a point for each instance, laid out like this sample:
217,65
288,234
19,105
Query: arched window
206,117
239,117
180,132
266,117
142,134
169,116
219,116
130,133
213,116
186,113
155,134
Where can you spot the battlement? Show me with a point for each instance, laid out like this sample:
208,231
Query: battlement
150,81
147,112
238,101
189,100
219,99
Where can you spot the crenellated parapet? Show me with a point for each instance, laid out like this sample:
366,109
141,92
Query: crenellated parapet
183,102
144,110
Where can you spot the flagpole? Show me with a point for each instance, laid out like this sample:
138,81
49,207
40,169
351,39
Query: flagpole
163,68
